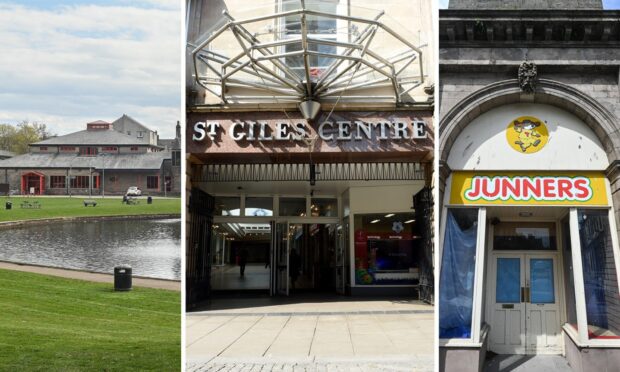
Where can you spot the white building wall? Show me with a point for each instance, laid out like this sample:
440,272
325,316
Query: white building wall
483,145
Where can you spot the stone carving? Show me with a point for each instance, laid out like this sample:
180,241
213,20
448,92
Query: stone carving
528,73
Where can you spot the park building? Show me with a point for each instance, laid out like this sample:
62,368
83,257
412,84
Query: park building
103,159
310,148
5,154
529,156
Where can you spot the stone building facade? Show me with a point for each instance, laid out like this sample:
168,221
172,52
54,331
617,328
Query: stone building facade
502,63
97,161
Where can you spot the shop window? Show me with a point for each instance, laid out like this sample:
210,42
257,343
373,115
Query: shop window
318,27
569,285
88,151
43,148
456,283
227,205
293,207
599,274
524,236
386,250
152,182
324,207
67,149
258,207
109,149
134,148
57,182
79,182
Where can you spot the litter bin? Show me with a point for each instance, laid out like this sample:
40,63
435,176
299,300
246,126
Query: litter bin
149,200
8,205
122,278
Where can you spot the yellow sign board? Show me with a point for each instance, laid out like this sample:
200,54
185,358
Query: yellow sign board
528,188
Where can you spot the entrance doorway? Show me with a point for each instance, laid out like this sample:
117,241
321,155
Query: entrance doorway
280,258
524,288
526,312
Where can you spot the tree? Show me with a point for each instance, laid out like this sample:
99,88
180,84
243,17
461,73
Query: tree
17,138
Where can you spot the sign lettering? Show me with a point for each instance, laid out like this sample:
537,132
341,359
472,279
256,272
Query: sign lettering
525,188
344,130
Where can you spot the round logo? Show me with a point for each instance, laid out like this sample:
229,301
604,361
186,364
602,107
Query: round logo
527,134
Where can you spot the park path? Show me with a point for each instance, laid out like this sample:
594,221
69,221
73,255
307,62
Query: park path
172,285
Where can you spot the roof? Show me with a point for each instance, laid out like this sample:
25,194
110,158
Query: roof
170,143
126,117
92,137
150,160
98,122
6,154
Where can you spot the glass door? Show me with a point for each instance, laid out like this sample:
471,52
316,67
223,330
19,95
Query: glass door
341,249
525,316
279,282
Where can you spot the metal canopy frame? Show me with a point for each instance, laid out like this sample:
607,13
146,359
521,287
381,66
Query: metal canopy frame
271,79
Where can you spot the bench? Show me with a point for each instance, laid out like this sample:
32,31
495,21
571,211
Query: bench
88,202
30,205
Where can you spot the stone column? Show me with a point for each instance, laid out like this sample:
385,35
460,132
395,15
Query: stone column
613,174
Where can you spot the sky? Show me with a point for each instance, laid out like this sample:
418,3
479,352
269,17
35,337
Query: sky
607,4
66,63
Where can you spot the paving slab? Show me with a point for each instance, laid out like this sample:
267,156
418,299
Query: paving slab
377,335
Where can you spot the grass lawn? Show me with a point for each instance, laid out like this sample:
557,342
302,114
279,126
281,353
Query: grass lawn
56,324
52,207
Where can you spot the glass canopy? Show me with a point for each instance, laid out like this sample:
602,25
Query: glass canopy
299,50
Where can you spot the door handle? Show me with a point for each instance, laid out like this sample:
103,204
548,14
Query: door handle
527,295
522,294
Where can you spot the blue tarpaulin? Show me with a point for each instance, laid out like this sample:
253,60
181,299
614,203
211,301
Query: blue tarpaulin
456,288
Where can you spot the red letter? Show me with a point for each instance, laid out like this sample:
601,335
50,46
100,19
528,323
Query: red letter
474,192
549,188
511,187
531,189
581,184
564,188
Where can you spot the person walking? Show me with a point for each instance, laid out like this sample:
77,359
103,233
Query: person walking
294,267
243,260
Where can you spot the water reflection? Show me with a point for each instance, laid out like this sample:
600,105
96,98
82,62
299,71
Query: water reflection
151,247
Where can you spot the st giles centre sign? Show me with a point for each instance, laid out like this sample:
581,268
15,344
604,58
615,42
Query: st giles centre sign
299,130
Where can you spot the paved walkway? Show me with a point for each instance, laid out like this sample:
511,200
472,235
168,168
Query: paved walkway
90,276
334,335
528,363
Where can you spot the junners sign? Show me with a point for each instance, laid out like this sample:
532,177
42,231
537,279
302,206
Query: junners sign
528,189
297,130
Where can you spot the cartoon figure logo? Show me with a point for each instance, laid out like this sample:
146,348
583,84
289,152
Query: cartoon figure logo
527,134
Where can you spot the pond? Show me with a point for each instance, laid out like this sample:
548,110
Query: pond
151,247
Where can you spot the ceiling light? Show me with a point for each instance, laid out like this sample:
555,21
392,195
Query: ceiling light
389,215
409,221
375,221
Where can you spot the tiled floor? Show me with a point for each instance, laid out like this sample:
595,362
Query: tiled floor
334,335
228,277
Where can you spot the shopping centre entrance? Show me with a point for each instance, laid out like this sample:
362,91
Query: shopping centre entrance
278,258
363,230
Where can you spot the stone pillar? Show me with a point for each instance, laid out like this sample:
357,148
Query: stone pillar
613,174
444,173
